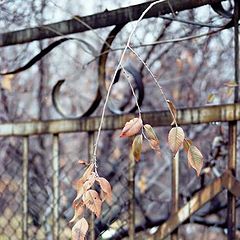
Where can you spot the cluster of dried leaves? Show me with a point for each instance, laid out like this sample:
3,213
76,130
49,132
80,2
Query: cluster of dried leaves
91,199
176,139
88,198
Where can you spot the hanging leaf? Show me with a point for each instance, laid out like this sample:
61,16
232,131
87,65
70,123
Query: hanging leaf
154,144
79,209
106,189
88,172
150,134
152,137
92,201
186,144
79,230
173,110
195,158
132,127
137,147
88,184
175,139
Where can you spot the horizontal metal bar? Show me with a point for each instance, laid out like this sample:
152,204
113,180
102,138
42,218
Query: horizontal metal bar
222,113
99,20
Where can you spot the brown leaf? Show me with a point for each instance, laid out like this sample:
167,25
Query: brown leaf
92,201
150,134
79,230
175,139
106,189
79,209
88,184
137,147
132,127
195,158
152,137
186,144
173,110
154,144
142,184
88,172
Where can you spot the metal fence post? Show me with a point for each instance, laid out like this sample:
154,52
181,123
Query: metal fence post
25,190
56,195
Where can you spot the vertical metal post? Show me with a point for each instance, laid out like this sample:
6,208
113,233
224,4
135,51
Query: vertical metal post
232,156
25,190
56,195
175,190
91,137
131,198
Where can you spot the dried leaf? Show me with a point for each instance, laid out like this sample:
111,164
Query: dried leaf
150,134
79,209
172,109
152,137
231,84
7,82
92,201
210,98
137,147
79,230
175,139
230,92
132,127
88,184
88,172
154,144
195,158
106,189
186,144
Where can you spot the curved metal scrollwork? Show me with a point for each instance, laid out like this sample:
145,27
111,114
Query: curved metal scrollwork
58,108
129,68
219,9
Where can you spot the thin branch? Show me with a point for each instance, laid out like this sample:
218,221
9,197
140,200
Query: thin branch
94,159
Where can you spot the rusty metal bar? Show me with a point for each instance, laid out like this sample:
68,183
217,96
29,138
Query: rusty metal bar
232,134
91,137
223,113
56,185
99,20
175,190
25,190
131,198
197,201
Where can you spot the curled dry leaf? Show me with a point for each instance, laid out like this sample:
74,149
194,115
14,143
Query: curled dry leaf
186,144
132,127
82,162
92,201
79,230
175,139
88,184
106,190
88,172
79,209
195,158
137,147
173,110
210,98
152,137
154,144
